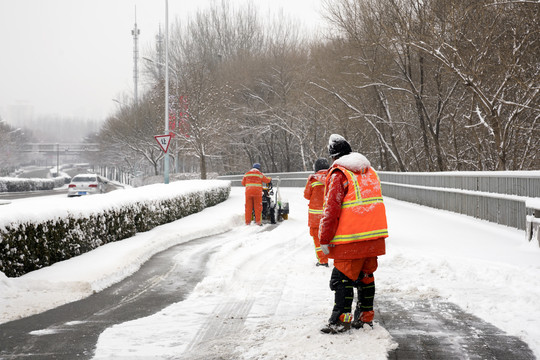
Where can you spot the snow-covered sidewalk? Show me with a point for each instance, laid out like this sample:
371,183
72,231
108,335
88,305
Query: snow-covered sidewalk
263,298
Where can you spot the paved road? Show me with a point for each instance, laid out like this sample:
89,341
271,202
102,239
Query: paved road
434,329
30,194
59,191
71,331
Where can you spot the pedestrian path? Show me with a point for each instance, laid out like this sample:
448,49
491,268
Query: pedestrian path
438,330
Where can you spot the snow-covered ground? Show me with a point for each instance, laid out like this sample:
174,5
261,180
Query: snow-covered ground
263,298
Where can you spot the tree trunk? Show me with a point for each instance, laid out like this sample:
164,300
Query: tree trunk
203,167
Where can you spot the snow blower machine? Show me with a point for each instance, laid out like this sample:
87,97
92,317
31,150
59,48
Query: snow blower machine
274,208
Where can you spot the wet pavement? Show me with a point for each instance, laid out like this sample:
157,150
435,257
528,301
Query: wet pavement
438,330
71,331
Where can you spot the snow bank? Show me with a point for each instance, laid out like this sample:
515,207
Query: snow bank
38,237
17,184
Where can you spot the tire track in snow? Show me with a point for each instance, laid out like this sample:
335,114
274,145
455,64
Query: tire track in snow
221,332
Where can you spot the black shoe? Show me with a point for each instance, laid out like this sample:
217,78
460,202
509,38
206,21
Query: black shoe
358,324
340,327
319,264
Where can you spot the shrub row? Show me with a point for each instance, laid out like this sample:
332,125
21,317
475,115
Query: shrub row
28,246
19,184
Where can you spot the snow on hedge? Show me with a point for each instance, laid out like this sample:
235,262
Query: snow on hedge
8,184
31,238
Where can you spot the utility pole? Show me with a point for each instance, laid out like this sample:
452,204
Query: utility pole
166,164
135,33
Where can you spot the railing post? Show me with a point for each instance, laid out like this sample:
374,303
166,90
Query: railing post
532,228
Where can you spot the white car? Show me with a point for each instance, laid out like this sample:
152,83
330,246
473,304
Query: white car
86,184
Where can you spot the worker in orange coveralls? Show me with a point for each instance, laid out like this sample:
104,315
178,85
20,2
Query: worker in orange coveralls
352,231
253,181
314,192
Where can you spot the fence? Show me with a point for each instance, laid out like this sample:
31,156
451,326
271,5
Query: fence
290,179
494,196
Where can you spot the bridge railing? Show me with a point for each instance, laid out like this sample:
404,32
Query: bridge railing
493,196
290,179
498,197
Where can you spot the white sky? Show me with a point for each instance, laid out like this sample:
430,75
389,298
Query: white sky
72,57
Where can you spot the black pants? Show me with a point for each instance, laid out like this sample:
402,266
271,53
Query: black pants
366,293
343,288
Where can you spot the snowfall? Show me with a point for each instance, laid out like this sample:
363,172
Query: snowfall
269,273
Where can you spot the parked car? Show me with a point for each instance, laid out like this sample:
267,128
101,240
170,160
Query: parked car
86,184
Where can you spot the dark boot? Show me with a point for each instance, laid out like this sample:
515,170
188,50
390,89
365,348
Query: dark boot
363,313
362,318
339,325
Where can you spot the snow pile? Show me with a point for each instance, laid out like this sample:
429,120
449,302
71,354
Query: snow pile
533,203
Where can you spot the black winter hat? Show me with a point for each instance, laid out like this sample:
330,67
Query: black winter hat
338,146
320,164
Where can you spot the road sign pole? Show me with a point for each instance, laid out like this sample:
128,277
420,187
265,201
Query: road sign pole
166,164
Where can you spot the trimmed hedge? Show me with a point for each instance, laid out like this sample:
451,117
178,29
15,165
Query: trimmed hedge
28,246
19,184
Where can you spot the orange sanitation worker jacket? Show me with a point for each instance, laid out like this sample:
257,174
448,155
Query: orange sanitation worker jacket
253,181
314,192
354,216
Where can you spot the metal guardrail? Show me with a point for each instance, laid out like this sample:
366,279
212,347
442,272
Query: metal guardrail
522,183
498,197
501,209
493,196
64,148
292,179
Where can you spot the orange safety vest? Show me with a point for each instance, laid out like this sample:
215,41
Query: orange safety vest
363,215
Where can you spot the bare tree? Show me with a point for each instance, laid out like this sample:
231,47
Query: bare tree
129,134
492,49
417,85
11,143
199,51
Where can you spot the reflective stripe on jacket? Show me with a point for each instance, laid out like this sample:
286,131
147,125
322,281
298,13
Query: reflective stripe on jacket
254,179
363,215
314,192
